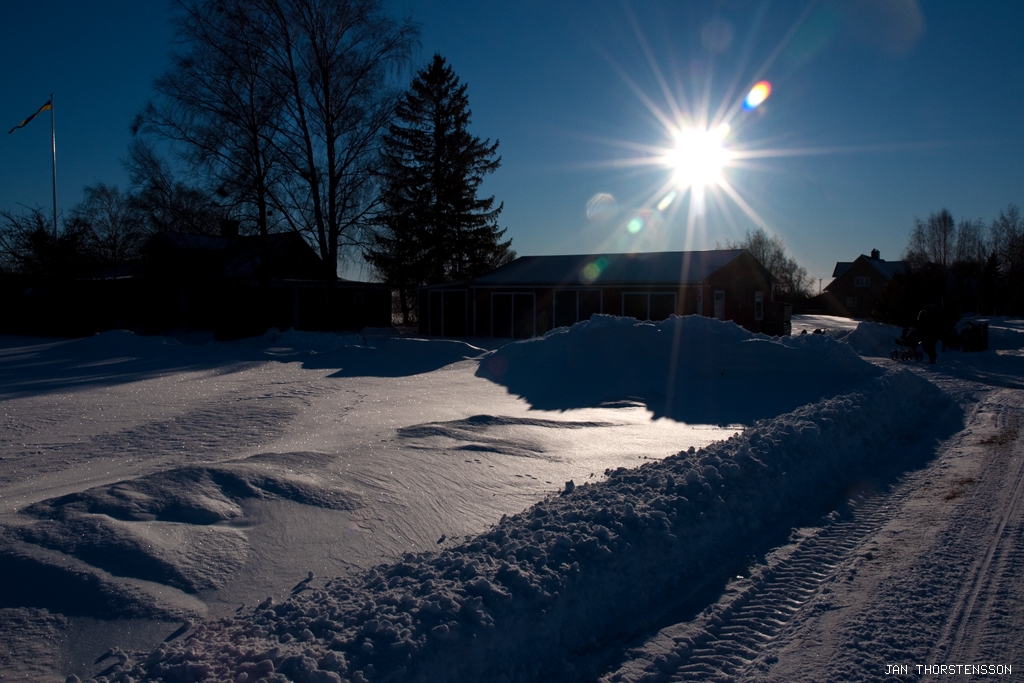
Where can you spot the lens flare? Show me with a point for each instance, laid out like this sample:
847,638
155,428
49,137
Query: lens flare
601,206
592,270
758,94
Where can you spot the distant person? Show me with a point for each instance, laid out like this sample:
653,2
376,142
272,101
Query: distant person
928,328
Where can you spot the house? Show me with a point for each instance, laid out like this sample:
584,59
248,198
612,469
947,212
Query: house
236,287
858,285
533,294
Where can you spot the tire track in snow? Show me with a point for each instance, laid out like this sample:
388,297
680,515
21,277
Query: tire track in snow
994,577
732,633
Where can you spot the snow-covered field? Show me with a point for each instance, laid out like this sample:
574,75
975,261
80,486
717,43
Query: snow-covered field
617,501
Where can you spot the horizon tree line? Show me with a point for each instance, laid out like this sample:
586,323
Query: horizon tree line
282,115
960,265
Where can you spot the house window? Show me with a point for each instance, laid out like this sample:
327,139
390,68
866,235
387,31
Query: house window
720,304
758,305
861,282
574,305
648,305
447,315
513,315
851,302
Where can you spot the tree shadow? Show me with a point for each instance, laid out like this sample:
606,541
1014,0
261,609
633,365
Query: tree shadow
35,366
393,357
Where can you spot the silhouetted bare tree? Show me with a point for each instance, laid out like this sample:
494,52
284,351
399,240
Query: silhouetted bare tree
333,64
164,202
971,245
115,226
1007,233
932,241
28,246
217,104
793,280
282,104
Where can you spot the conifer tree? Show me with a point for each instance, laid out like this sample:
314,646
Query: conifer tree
433,227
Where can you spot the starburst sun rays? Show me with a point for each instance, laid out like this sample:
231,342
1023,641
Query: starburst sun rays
703,147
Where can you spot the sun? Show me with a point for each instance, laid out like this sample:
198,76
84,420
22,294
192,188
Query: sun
698,157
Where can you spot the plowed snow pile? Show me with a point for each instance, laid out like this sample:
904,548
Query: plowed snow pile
591,566
693,369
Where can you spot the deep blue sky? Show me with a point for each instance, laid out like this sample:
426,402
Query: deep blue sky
908,110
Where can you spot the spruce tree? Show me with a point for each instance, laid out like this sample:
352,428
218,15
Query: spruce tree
432,226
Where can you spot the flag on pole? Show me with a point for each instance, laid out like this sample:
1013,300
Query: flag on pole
46,107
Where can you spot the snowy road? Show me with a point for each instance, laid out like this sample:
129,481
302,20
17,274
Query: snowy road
144,483
925,573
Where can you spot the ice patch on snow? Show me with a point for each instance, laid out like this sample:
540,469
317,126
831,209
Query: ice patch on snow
483,433
693,369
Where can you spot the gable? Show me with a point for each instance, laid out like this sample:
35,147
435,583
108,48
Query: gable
866,265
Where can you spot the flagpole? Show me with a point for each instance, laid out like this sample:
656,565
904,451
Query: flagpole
53,140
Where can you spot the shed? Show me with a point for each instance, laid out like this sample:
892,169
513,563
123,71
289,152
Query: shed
533,294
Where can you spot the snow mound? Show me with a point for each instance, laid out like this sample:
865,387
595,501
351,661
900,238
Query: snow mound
717,372
873,339
171,528
532,595
37,577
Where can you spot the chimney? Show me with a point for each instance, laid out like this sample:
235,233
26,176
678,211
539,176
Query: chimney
875,255
228,227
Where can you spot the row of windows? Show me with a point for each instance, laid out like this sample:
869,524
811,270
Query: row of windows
513,314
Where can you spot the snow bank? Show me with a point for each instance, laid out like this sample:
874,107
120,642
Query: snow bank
580,570
873,339
693,369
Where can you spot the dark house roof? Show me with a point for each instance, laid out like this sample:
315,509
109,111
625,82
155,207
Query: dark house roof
205,256
886,268
657,268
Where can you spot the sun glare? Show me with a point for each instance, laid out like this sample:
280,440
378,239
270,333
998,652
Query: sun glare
712,146
699,157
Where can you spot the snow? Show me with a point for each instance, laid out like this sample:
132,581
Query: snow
453,510
692,369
